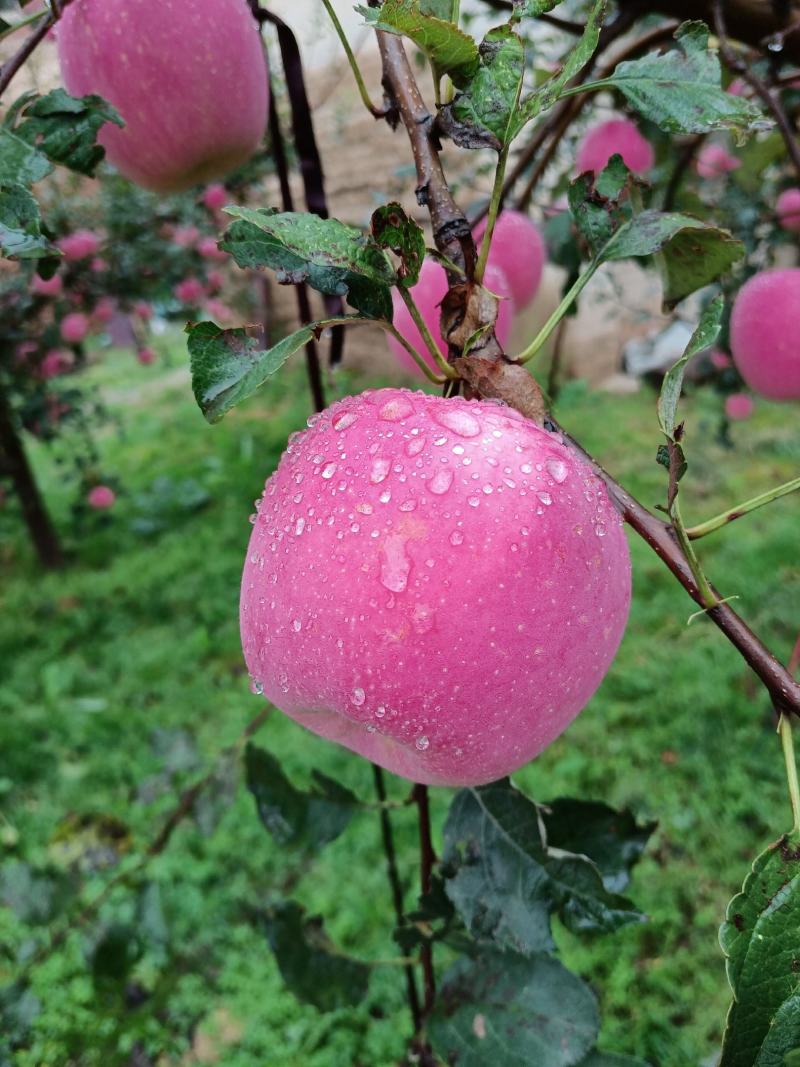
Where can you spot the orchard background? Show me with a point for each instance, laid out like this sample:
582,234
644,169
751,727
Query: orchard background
147,914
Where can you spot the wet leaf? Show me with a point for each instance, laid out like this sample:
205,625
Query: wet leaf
64,128
449,49
310,965
703,337
392,228
293,817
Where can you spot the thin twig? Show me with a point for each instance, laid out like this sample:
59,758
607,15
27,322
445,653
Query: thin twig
685,160
747,71
427,858
21,56
397,891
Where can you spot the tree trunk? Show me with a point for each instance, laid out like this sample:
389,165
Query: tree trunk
15,462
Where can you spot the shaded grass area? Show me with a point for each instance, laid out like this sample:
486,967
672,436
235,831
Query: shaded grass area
122,681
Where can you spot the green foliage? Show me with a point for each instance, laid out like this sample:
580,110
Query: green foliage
596,202
333,258
293,817
514,1010
680,90
449,49
506,881
21,234
64,128
703,337
314,971
392,228
761,942
228,366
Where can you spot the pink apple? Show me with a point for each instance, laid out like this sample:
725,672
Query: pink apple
56,362
719,359
190,291
47,287
190,81
207,247
428,294
220,312
185,236
101,498
98,265
104,311
214,281
146,356
787,208
764,332
143,310
79,245
74,328
216,196
519,251
739,406
439,585
714,161
615,137
738,87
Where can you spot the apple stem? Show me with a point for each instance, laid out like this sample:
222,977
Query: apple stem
695,532
397,889
787,744
421,363
491,217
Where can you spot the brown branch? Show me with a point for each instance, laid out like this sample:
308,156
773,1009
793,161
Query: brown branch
747,71
10,68
782,688
685,160
427,858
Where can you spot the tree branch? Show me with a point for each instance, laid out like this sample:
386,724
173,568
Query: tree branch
747,71
29,46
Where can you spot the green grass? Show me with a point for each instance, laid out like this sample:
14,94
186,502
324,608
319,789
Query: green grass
122,681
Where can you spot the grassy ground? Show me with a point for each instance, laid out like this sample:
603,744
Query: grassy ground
122,680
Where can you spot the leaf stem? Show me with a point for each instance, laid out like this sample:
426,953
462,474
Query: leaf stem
695,532
787,744
421,363
378,112
570,297
491,217
707,595
427,337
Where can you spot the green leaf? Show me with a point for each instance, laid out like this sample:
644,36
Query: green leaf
333,258
393,229
20,163
293,817
594,202
502,1008
680,90
761,942
611,1059
693,253
228,366
310,966
612,840
449,49
703,337
547,94
64,128
484,114
533,8
21,234
505,882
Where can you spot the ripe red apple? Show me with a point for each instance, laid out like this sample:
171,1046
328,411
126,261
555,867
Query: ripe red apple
143,310
519,252
190,291
714,161
787,208
764,331
207,247
739,406
47,287
74,327
216,196
615,137
146,356
79,245
185,236
439,585
56,362
428,294
189,79
101,498
104,311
